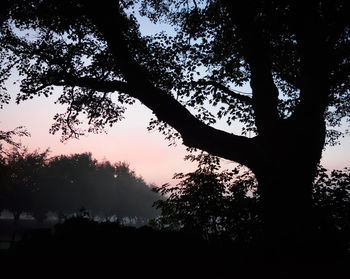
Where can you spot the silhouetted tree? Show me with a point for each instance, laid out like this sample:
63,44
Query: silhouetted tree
23,171
212,202
7,140
70,183
225,204
294,54
75,181
135,196
65,184
331,195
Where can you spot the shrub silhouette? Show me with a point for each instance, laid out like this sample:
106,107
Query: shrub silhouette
211,202
225,204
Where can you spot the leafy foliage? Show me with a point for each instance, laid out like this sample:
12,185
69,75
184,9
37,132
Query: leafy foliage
57,52
225,204
22,175
331,195
7,138
200,64
211,44
36,184
211,202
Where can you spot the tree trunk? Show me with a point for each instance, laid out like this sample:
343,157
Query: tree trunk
285,169
16,216
287,212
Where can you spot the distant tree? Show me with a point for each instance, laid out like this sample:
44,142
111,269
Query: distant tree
23,170
69,183
7,142
134,196
3,183
76,181
210,201
103,194
64,184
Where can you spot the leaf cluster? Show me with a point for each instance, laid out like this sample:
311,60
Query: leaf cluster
211,202
331,194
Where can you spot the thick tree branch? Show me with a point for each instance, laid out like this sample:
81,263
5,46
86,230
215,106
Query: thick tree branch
194,132
315,63
258,54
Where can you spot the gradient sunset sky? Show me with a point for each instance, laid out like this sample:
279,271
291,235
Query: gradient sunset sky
147,152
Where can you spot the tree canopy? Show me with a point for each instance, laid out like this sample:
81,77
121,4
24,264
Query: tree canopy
37,184
95,51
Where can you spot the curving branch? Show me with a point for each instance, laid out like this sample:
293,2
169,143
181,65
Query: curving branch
194,132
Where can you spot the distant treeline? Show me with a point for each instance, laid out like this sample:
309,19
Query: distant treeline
31,182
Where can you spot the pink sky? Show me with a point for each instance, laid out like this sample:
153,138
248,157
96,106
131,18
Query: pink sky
147,152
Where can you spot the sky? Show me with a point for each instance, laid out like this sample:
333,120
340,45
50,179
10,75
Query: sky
147,152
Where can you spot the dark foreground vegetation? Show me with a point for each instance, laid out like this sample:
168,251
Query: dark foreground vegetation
210,227
82,247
